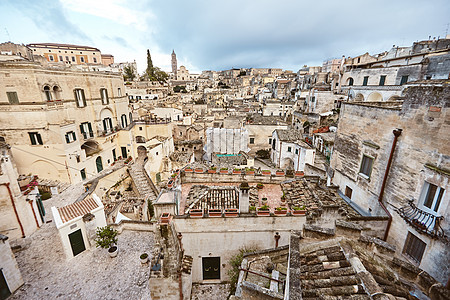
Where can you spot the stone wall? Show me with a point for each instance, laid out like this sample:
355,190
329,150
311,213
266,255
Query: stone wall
364,129
8,265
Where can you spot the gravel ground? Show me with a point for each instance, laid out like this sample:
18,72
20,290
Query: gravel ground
210,291
90,275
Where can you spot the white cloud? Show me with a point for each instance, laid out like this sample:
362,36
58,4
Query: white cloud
120,11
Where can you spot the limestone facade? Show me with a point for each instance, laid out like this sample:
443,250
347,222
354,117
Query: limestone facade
73,54
420,162
8,267
61,124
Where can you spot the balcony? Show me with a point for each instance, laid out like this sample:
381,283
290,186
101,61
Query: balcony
103,133
55,104
423,221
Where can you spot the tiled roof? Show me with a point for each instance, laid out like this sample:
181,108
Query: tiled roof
54,45
77,209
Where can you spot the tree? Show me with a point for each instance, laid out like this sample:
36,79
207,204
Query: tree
160,75
150,70
129,73
106,237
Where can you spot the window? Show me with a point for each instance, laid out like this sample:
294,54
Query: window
211,267
119,92
60,58
140,128
12,97
296,151
273,143
414,247
404,79
348,192
252,140
48,94
70,137
382,80
73,58
289,149
83,174
82,59
104,95
86,130
270,141
350,81
79,97
366,165
365,80
67,58
95,59
50,57
35,138
107,124
431,197
123,119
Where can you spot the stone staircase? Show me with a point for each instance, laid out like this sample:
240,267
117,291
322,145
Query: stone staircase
142,181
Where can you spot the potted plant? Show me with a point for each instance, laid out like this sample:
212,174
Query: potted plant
299,173
264,200
266,172
231,212
252,209
188,170
107,239
170,184
212,170
196,213
279,173
143,258
215,213
260,186
298,210
224,171
263,211
280,211
236,171
283,198
198,170
250,171
165,218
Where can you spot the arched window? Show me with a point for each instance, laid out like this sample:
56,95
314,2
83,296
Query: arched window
350,81
48,93
57,92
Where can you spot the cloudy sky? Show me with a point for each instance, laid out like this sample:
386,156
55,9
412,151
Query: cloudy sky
218,34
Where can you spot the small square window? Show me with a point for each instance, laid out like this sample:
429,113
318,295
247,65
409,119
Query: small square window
414,247
252,140
70,137
348,192
366,165
296,151
12,97
289,149
35,138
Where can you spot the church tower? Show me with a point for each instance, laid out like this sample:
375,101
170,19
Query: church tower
174,64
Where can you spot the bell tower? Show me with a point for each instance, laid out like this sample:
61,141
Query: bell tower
174,64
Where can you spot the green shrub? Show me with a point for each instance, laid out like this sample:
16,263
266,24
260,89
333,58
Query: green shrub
106,237
235,264
45,196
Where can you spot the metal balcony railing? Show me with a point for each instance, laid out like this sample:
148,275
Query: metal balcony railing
423,221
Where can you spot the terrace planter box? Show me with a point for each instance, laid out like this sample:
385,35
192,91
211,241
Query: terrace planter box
231,212
188,170
215,213
266,173
165,218
298,212
282,212
198,171
224,171
299,173
237,172
170,184
250,172
263,213
280,173
196,213
211,171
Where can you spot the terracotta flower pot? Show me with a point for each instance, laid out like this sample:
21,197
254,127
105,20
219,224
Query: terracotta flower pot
231,212
264,213
215,213
188,170
298,212
299,173
280,173
198,170
223,171
165,218
196,213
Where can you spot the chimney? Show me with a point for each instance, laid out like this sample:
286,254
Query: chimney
244,200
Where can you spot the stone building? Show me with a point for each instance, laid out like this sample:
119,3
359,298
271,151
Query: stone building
62,124
21,210
73,54
10,277
393,159
289,151
260,130
225,141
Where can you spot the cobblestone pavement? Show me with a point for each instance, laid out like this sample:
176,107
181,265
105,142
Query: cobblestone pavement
90,275
210,291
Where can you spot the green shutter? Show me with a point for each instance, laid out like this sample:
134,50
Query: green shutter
84,98
32,139
67,138
91,133
39,139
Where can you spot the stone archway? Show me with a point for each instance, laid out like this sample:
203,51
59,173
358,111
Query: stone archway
375,97
142,153
287,164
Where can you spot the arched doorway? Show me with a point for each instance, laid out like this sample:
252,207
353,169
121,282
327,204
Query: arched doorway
142,153
99,164
359,97
375,97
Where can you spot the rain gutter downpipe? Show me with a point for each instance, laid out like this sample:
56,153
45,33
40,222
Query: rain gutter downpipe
14,207
397,133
